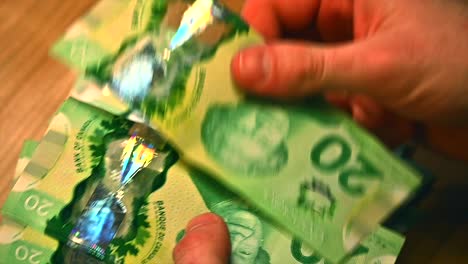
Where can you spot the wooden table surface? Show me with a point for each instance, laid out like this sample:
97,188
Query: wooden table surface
33,85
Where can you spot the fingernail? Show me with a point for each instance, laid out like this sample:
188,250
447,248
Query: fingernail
358,114
202,221
253,67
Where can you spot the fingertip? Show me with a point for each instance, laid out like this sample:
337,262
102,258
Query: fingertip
271,17
367,112
235,68
260,16
250,68
206,241
204,220
359,115
338,99
365,116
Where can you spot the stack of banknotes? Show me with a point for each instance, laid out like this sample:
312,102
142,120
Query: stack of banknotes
155,133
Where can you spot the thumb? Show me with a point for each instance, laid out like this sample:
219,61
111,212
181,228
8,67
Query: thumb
294,69
206,242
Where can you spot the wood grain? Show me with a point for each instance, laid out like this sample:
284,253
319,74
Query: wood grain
33,85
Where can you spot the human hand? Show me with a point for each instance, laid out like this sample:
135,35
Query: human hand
205,242
389,63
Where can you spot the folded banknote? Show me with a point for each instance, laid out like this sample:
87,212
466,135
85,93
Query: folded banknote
45,224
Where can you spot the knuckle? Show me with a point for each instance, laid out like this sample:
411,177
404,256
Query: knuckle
318,65
314,73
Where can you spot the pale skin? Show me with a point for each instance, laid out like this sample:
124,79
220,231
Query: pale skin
390,64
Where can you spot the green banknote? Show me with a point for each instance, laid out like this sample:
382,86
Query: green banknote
308,167
139,37
23,244
79,152
158,223
255,239
20,243
36,196
29,146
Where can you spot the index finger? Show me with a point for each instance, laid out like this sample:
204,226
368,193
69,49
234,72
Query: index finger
272,17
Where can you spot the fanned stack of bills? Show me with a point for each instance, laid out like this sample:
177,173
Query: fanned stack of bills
155,133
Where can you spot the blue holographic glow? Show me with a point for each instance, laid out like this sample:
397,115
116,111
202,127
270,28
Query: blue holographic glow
134,80
195,19
97,226
135,156
181,36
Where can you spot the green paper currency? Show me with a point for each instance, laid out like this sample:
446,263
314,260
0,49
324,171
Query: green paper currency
32,200
334,187
20,243
27,150
162,216
309,168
